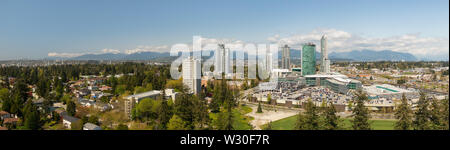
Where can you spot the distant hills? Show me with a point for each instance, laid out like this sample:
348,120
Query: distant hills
355,55
363,55
370,55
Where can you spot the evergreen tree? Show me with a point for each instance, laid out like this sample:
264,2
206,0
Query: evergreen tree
435,114
71,108
360,113
202,114
259,110
19,97
300,124
444,115
184,109
215,103
229,119
422,114
5,99
311,115
403,114
164,114
331,120
32,116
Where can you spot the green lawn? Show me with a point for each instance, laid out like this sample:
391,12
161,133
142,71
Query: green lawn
289,123
240,121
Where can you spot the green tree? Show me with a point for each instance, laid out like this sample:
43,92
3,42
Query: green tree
216,99
32,116
404,115
19,97
93,119
445,112
164,114
311,116
184,109
122,127
176,123
331,120
435,114
300,124
147,109
422,114
5,99
71,108
259,109
269,98
201,113
360,113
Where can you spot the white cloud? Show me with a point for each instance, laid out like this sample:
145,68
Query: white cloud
163,48
70,55
142,48
64,55
114,51
341,41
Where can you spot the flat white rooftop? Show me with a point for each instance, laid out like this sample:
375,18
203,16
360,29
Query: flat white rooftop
145,94
378,89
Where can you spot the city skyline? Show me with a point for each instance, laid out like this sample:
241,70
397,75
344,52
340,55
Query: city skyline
36,30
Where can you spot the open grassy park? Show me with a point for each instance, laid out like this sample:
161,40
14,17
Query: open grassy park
289,123
240,120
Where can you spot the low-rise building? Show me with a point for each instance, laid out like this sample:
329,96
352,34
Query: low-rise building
10,121
4,115
90,126
68,120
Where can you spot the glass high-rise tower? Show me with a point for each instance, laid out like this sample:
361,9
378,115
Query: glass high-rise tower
308,59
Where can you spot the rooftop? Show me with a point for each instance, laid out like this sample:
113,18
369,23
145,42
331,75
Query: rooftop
70,118
91,126
378,89
145,94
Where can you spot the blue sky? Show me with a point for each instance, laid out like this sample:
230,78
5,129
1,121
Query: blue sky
32,29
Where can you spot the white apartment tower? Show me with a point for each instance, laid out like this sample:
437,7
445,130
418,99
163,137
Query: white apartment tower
223,60
325,62
192,74
285,57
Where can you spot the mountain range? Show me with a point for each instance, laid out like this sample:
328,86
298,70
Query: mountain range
355,55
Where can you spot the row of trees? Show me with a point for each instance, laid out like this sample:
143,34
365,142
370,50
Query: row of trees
325,118
430,114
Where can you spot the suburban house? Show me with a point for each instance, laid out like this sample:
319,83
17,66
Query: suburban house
10,121
4,114
91,126
68,120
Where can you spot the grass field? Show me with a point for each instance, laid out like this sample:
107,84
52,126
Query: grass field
289,123
240,121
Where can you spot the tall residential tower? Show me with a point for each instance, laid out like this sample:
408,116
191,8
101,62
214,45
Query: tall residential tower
285,57
192,74
325,62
